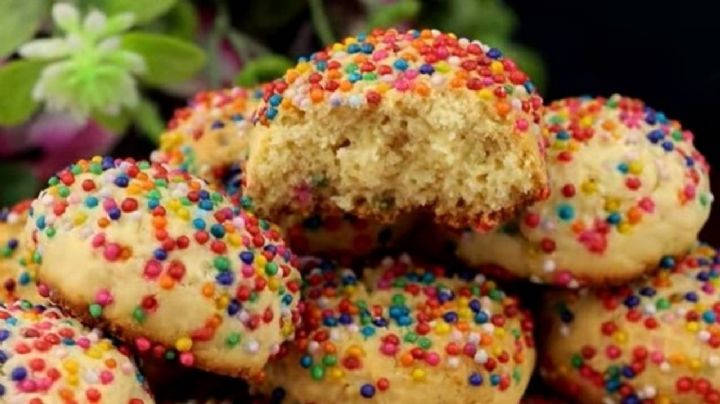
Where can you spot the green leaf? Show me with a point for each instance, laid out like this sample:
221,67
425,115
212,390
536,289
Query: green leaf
18,183
19,20
168,60
17,79
148,120
475,19
143,10
264,68
181,21
116,124
389,15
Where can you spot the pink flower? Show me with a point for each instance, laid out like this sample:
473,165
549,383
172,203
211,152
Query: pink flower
59,138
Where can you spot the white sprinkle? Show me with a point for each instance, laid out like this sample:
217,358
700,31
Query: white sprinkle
335,334
437,80
649,391
713,361
355,101
474,337
564,330
252,346
665,367
453,362
549,266
481,356
313,346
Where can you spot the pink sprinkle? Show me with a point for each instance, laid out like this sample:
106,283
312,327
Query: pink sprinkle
106,377
563,277
27,386
248,271
402,85
521,125
689,191
43,290
647,205
657,357
112,252
103,297
44,384
442,53
379,55
469,350
142,344
153,269
410,74
109,204
388,349
432,359
613,352
83,342
187,359
44,325
98,240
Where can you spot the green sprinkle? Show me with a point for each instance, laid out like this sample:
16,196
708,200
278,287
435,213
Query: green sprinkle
221,264
317,372
410,337
576,361
271,268
330,360
139,315
424,343
398,299
232,339
95,310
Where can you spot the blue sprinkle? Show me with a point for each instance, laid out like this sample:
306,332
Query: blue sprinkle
614,218
306,361
400,64
114,213
668,146
691,297
217,230
562,135
632,301
450,317
122,181
271,113
494,53
475,305
206,205
623,168
494,380
160,254
481,317
199,223
19,373
225,278
330,321
367,390
247,257
4,334
233,308
655,136
475,379
565,212
426,69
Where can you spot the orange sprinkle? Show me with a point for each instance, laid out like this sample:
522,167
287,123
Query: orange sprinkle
166,282
208,290
316,95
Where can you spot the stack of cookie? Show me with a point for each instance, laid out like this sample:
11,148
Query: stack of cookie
292,237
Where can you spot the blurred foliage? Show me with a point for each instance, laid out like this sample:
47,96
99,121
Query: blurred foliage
190,45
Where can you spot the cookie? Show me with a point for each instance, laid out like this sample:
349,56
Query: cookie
403,333
399,121
656,340
209,138
155,256
48,357
17,273
627,187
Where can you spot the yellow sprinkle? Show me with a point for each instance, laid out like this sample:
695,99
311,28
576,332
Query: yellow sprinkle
485,94
418,374
260,260
222,302
104,345
635,167
499,332
183,344
442,328
588,187
79,218
382,88
273,284
465,313
497,351
496,67
624,227
662,400
692,326
612,204
73,379
695,364
183,213
442,67
302,67
94,352
336,373
586,122
620,337
234,239
71,366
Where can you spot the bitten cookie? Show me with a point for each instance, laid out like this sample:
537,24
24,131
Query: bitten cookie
405,333
165,263
656,340
209,138
48,357
627,187
395,122
17,273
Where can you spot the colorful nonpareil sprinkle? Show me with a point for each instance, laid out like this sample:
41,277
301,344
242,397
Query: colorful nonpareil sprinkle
166,259
47,357
402,327
361,71
655,340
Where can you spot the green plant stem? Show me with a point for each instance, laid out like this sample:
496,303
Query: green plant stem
321,22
